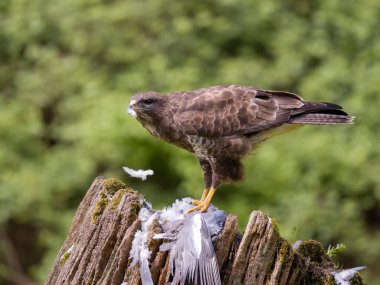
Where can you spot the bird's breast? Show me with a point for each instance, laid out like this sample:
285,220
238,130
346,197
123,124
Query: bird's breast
199,146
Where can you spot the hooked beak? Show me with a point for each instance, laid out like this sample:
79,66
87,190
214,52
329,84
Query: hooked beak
131,106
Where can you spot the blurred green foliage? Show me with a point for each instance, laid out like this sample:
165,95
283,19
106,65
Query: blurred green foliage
69,67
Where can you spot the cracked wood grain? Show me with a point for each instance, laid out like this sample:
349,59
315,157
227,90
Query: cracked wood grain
96,250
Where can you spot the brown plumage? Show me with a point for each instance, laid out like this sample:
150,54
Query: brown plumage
222,124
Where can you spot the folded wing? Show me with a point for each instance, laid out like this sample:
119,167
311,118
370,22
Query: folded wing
227,111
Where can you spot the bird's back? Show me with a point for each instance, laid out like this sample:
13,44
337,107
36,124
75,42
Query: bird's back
225,111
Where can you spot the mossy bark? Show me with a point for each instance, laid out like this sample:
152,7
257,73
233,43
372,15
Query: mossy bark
103,228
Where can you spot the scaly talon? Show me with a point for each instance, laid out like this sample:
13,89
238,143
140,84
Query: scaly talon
196,202
203,204
204,195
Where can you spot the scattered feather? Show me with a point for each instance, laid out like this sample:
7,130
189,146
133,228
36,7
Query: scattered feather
70,250
142,174
343,277
66,254
140,254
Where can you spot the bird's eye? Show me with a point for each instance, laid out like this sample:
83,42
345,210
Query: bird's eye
148,101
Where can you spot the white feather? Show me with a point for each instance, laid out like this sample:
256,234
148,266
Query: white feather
144,214
140,253
344,277
142,174
67,253
132,112
176,211
196,231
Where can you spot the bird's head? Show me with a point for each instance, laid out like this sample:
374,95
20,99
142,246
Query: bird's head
148,106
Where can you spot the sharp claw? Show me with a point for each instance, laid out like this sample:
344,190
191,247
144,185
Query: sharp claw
201,207
204,203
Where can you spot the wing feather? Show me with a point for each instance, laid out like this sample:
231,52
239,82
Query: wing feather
225,111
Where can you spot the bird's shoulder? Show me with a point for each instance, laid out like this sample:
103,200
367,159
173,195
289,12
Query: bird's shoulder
199,98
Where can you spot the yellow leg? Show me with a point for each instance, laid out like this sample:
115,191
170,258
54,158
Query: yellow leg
203,206
204,195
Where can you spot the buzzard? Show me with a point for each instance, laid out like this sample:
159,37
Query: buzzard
222,124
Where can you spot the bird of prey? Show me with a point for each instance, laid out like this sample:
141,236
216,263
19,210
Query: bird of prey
222,124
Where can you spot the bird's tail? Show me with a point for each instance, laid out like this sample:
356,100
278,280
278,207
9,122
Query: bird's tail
320,114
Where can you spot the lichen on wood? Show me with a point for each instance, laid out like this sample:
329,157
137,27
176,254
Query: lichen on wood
112,191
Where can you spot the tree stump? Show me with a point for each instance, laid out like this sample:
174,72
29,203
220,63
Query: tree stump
96,250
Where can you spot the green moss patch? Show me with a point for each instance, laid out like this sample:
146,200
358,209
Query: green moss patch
283,251
112,185
99,208
64,258
112,192
135,208
313,250
66,255
117,198
275,225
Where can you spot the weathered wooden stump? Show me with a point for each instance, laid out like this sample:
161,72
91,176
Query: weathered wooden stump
96,250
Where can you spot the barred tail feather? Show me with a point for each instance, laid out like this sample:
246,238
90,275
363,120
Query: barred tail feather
321,119
320,114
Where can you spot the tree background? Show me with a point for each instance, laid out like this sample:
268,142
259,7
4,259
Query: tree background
69,67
